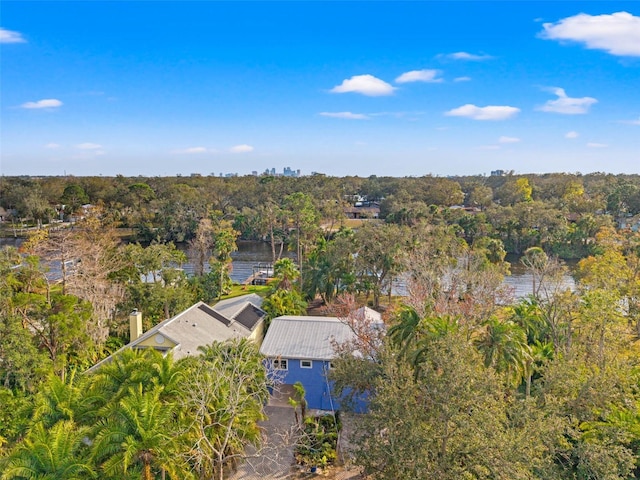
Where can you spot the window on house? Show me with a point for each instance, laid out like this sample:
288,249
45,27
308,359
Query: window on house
331,365
280,364
306,364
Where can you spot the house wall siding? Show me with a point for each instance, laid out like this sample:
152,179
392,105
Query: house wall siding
152,343
314,380
258,333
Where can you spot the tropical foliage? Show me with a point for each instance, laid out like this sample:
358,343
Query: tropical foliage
143,415
469,382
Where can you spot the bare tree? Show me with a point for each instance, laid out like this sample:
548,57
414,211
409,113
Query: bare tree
201,246
86,257
224,396
447,277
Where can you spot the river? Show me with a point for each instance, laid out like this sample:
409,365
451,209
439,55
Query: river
522,282
250,254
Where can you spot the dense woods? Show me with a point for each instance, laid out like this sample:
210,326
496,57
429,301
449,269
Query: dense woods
467,382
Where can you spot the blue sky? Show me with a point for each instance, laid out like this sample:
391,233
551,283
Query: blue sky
342,88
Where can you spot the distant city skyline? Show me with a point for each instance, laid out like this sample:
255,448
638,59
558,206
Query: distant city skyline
342,88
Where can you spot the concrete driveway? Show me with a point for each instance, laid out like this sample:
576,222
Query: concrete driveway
275,461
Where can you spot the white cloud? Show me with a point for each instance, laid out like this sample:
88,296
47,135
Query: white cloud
617,34
567,105
462,79
467,56
504,139
597,145
364,84
45,103
490,112
632,122
428,76
88,146
9,36
52,146
241,149
345,115
571,135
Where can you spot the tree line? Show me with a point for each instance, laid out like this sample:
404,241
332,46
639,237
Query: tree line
469,382
558,212
545,387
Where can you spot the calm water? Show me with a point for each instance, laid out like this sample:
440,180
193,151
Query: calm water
522,282
248,255
252,253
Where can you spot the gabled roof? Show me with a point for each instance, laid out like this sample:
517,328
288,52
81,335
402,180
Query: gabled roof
200,325
232,306
249,316
197,326
305,337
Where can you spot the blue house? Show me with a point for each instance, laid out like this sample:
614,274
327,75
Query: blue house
301,348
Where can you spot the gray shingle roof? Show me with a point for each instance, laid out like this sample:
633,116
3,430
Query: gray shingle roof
196,327
201,325
232,306
304,337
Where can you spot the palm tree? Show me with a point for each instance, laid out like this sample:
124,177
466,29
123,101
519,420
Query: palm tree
432,329
411,332
504,347
126,368
318,274
540,353
284,302
59,400
414,336
131,368
165,373
285,272
405,331
138,433
58,453
527,314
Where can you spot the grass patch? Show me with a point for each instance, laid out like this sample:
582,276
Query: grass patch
358,222
239,290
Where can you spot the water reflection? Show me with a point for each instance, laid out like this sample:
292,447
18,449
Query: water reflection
249,253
